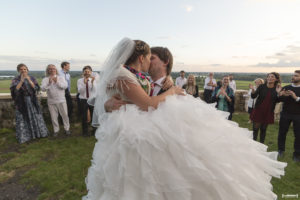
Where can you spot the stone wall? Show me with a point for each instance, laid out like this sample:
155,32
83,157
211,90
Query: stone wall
7,109
240,104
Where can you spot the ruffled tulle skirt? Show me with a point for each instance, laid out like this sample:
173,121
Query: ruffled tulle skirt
184,150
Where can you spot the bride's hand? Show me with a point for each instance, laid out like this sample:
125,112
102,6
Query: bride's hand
113,103
177,90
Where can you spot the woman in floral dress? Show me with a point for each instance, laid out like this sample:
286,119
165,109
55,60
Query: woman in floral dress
29,119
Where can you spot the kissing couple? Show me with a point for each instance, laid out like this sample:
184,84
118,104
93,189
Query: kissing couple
155,143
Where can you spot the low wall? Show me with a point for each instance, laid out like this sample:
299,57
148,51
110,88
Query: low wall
7,108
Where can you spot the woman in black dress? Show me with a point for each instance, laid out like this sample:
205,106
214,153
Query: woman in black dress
263,112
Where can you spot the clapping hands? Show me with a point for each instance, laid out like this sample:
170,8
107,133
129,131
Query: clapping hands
223,91
288,93
24,76
53,79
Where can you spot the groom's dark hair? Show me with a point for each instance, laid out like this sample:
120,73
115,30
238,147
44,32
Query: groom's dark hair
165,55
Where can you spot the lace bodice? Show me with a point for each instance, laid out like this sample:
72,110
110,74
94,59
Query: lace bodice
125,75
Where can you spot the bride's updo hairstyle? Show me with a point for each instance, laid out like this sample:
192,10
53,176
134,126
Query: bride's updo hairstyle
141,48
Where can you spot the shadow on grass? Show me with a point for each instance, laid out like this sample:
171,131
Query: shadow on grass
49,168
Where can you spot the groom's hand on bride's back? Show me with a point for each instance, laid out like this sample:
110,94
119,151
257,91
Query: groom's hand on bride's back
113,103
167,83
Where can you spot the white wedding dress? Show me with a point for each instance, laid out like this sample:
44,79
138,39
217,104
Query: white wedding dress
183,150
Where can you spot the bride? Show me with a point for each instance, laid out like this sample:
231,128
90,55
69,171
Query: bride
170,147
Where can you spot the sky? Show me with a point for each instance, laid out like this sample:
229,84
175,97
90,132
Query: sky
203,35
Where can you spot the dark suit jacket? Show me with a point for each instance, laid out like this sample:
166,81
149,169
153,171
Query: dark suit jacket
161,91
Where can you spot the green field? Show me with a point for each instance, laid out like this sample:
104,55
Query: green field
4,85
55,168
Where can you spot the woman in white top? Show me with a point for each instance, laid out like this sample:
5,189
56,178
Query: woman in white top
55,87
251,102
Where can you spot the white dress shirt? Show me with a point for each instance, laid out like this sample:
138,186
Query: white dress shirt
207,80
55,91
66,76
180,81
158,85
81,86
232,84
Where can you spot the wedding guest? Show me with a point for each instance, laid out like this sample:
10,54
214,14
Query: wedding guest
191,87
263,112
232,83
290,96
251,102
181,80
209,85
86,88
96,76
55,87
30,123
64,72
224,96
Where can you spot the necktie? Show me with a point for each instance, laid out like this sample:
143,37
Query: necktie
87,88
152,88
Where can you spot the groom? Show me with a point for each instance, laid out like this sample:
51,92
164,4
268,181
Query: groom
160,67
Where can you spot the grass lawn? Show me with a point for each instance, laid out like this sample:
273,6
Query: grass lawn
290,183
55,168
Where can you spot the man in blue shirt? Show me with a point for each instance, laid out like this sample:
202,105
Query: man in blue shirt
64,72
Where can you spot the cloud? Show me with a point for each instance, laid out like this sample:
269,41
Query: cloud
41,52
293,49
272,38
164,37
188,8
215,65
184,46
179,63
240,57
289,57
280,54
280,36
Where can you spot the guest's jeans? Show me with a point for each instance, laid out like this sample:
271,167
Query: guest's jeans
84,107
263,131
69,103
284,124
